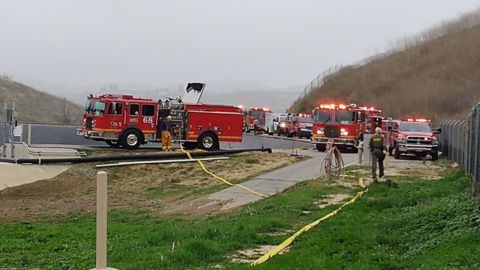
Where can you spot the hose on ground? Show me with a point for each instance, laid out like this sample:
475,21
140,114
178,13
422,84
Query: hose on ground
333,164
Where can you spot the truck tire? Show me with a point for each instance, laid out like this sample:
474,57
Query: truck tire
434,155
131,139
397,153
390,150
208,141
113,143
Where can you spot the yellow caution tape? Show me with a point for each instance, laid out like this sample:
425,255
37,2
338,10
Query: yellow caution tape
276,250
220,178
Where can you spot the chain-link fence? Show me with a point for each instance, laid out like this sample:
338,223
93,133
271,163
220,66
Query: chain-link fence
318,81
460,142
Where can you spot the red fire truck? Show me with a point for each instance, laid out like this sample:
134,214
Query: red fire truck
342,124
127,121
288,126
255,119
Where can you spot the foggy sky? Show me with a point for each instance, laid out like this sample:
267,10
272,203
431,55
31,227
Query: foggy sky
279,43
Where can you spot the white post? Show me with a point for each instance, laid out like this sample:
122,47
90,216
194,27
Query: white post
101,259
367,156
101,220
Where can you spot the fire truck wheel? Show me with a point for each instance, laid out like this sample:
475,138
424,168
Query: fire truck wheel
208,141
434,155
113,143
131,139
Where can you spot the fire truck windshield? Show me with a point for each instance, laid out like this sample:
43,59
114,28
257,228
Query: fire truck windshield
322,116
345,117
255,114
94,107
304,120
416,127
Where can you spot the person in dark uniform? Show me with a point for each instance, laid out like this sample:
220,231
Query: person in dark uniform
378,150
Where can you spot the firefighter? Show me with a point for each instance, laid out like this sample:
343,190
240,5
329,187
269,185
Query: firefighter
166,135
378,150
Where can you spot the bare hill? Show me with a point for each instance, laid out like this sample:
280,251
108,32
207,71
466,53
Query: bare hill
34,106
435,73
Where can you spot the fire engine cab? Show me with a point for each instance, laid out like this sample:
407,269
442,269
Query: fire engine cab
127,121
342,124
255,119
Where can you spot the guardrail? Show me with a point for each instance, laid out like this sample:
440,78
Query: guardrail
460,142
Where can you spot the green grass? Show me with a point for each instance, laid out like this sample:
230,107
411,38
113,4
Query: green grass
412,225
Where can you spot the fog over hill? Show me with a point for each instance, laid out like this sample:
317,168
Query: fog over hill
232,92
35,106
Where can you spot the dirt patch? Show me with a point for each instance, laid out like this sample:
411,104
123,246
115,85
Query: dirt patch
250,255
155,188
331,199
406,168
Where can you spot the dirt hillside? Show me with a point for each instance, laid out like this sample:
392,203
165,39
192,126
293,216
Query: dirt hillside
436,73
36,106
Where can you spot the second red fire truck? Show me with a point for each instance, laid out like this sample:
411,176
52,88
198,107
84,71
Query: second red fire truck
127,121
342,124
255,119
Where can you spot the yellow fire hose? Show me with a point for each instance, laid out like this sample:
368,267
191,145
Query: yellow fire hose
276,250
220,178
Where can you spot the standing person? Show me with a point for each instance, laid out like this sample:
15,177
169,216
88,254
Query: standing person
166,135
378,150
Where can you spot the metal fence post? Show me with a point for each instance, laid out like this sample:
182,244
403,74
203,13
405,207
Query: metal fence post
451,139
465,145
471,142
476,158
459,140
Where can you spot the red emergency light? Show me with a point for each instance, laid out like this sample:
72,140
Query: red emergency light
418,120
333,106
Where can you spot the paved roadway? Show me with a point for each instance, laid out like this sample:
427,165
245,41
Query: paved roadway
272,182
66,135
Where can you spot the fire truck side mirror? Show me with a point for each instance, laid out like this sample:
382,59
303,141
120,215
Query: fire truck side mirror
437,131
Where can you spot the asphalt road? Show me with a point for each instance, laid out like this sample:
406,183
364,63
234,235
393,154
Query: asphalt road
66,135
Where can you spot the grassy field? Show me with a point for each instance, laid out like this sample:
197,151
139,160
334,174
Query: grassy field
411,224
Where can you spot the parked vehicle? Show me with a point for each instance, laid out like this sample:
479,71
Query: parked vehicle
288,126
255,120
413,136
280,117
342,124
127,121
304,126
270,123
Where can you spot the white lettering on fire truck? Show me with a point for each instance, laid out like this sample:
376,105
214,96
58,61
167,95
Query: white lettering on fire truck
148,119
